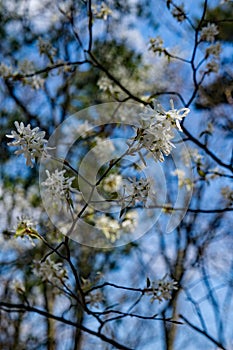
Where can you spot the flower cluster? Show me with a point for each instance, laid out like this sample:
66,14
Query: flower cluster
130,221
178,13
5,70
156,130
227,193
110,227
183,180
95,298
26,228
58,186
139,191
102,11
46,48
209,32
156,45
214,50
112,183
106,85
162,289
31,141
50,271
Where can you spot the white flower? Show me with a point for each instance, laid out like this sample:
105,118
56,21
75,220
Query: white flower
214,50
156,130
94,299
50,271
5,70
31,141
84,128
45,47
110,227
18,286
183,180
227,193
102,11
112,183
130,221
212,67
58,186
156,45
209,32
162,289
105,85
26,227
138,191
192,154
178,13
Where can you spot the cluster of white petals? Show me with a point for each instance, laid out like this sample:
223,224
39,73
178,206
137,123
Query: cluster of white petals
58,186
102,11
50,271
138,191
156,44
162,289
30,141
157,129
110,227
45,47
209,32
112,183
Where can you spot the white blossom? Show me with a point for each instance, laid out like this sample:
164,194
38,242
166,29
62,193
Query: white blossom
106,85
26,227
50,271
46,48
112,183
178,13
130,221
156,130
209,32
212,67
102,11
5,70
31,141
227,193
137,191
156,45
58,186
110,227
214,50
192,154
183,181
95,298
162,289
18,286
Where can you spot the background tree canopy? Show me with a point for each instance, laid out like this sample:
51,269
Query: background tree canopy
103,70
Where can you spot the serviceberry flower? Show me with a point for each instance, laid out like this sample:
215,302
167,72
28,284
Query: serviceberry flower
26,227
31,142
213,50
162,289
179,13
58,186
156,45
46,48
102,11
209,32
138,191
112,183
50,271
156,131
110,227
